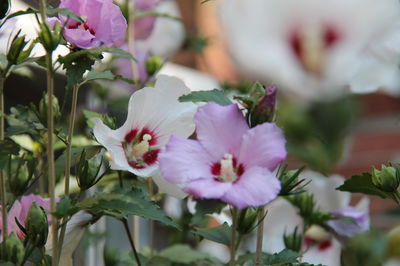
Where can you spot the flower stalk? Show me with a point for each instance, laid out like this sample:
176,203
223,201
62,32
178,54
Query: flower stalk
233,237
260,236
3,195
50,140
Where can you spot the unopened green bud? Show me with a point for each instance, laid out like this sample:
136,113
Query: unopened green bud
305,203
43,109
37,227
246,220
386,179
394,242
153,65
17,52
264,109
88,172
19,178
14,250
49,39
293,241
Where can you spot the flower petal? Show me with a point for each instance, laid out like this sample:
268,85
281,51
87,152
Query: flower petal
256,187
263,145
80,38
220,128
167,187
184,160
159,110
207,188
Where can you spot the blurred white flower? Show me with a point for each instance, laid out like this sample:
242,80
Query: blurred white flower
154,114
315,48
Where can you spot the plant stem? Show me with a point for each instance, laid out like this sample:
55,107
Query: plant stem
125,222
151,222
131,38
3,191
233,237
50,140
260,235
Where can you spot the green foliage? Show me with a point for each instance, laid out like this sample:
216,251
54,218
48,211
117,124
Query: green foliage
108,121
19,49
220,234
367,249
363,184
14,250
37,227
78,62
7,148
294,240
246,221
214,95
89,171
76,152
197,43
386,179
316,133
24,120
120,203
18,13
183,254
65,208
291,184
283,258
94,75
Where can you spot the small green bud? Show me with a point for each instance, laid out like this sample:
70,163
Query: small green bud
264,109
293,241
50,39
37,227
394,242
17,54
19,178
246,220
43,109
153,65
386,179
290,182
14,250
88,172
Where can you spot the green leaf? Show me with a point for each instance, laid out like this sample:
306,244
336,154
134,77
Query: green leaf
94,75
18,13
76,152
363,184
186,255
214,95
123,202
23,119
109,121
64,11
220,234
284,257
65,208
4,7
7,147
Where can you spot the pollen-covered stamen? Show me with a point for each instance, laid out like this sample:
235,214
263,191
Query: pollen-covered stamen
227,170
142,147
318,236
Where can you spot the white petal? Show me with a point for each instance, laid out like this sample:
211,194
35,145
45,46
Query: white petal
168,188
329,256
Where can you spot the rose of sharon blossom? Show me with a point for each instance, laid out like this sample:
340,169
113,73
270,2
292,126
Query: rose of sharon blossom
103,24
229,161
20,210
144,26
358,223
323,48
154,114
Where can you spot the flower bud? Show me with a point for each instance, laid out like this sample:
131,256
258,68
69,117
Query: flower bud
316,234
14,250
394,242
43,109
88,172
294,240
153,65
17,54
264,110
50,39
246,220
19,178
386,179
37,226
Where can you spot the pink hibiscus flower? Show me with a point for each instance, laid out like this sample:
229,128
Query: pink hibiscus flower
229,161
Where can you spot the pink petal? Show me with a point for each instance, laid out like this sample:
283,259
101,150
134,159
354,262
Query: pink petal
256,187
144,27
184,160
220,128
80,38
207,188
263,145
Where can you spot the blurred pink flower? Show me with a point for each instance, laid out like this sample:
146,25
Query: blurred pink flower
154,114
103,24
229,161
359,221
20,209
144,26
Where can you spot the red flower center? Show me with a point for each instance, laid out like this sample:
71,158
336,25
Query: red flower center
227,169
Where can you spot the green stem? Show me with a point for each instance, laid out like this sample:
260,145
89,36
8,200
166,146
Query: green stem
125,222
50,140
3,195
131,38
151,222
260,235
233,237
